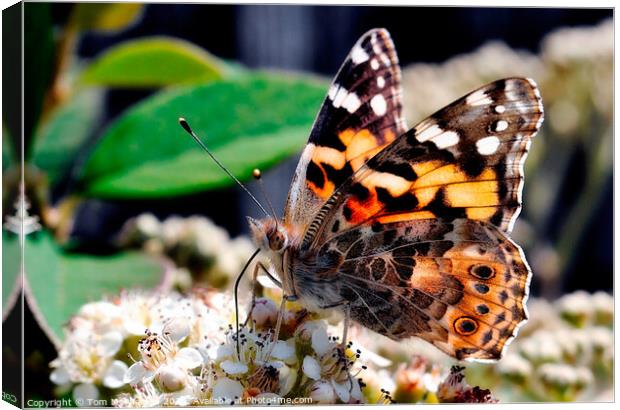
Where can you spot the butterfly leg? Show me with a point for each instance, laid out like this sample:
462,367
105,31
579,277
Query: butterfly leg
343,345
285,298
254,281
347,319
257,267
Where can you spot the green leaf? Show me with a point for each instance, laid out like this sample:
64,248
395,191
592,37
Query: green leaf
11,256
251,121
108,17
153,62
58,284
58,142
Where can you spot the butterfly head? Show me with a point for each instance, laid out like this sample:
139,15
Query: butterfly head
269,235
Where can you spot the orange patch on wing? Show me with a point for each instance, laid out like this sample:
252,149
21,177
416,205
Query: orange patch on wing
482,213
388,136
451,174
423,168
330,156
441,176
406,216
361,145
483,193
363,210
425,196
328,186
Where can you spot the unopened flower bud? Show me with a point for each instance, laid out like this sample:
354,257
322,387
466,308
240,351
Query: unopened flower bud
265,312
171,378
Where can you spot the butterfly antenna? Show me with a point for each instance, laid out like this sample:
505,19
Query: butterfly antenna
257,176
189,130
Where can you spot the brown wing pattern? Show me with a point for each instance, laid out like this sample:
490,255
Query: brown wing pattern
360,115
465,161
461,285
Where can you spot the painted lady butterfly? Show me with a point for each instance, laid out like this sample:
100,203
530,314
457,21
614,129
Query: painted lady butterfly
406,231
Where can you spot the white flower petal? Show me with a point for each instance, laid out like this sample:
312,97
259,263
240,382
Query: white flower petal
137,373
188,358
282,350
85,393
224,351
276,364
431,382
356,391
287,377
231,367
320,341
134,327
226,389
114,376
110,343
311,368
342,390
177,329
60,376
322,392
376,359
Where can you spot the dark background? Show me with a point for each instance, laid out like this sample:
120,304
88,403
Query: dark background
316,39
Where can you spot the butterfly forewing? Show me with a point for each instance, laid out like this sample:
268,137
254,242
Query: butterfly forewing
361,114
465,161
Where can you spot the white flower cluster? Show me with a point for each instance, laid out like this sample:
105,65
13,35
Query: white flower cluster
178,351
564,353
103,337
194,243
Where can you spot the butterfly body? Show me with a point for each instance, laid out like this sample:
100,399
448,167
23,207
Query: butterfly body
305,276
407,230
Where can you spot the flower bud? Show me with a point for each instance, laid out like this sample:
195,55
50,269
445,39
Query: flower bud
171,378
264,312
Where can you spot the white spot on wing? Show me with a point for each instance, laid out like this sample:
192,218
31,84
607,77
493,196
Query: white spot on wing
374,63
385,59
429,133
500,109
487,145
351,103
478,98
446,139
333,89
375,45
501,125
381,81
359,55
340,96
378,104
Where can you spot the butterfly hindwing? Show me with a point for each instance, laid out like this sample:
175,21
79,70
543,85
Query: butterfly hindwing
361,114
461,285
